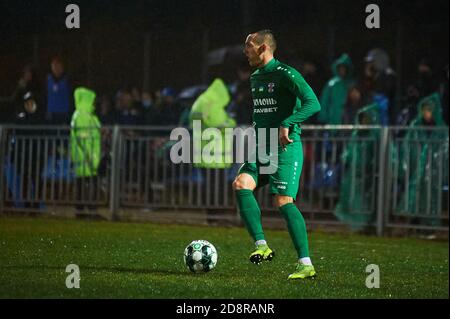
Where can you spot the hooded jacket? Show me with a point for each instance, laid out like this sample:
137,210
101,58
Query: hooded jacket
85,134
209,108
424,158
334,94
355,206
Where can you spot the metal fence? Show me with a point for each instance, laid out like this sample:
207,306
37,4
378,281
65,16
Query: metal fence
38,171
417,178
380,177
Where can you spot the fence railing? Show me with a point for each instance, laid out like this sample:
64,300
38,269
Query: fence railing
417,178
362,176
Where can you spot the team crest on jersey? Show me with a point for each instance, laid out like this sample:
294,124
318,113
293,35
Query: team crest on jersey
270,87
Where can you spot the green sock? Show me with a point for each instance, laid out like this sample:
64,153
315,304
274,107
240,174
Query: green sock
297,228
250,213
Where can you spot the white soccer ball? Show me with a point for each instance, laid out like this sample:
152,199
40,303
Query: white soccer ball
200,256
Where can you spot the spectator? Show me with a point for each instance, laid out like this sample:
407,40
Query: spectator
379,80
424,85
85,138
310,71
13,104
30,113
353,105
359,160
58,94
313,75
209,108
335,92
242,106
28,156
129,114
425,82
25,108
419,148
168,110
147,100
106,114
149,109
409,103
136,97
382,102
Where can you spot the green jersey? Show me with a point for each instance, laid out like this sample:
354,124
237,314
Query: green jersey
281,97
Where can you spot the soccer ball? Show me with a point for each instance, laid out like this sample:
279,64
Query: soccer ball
200,256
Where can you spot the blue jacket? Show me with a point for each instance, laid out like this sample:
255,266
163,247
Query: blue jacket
58,95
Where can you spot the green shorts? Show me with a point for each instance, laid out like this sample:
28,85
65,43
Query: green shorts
286,179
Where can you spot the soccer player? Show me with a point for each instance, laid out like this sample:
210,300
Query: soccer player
282,99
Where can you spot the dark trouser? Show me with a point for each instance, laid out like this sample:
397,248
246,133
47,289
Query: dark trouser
86,192
29,190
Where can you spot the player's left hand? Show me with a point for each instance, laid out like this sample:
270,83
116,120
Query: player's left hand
284,137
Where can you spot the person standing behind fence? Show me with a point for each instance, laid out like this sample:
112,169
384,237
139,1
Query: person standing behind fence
242,103
426,81
353,105
334,94
28,156
359,161
209,110
422,154
58,94
379,83
85,140
129,113
13,104
168,107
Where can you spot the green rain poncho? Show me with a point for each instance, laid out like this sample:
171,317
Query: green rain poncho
209,108
334,94
424,164
85,138
356,206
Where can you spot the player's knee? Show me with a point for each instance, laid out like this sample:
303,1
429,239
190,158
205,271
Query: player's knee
281,200
242,183
238,184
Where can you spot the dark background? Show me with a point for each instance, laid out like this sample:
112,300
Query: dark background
108,50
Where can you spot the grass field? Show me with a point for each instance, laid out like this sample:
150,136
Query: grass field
124,260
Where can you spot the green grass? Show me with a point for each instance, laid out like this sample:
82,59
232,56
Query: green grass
124,260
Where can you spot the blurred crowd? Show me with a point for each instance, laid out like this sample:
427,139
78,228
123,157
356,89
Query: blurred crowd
371,97
341,96
33,103
346,93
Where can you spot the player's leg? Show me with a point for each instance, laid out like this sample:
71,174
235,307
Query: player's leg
284,184
299,236
243,186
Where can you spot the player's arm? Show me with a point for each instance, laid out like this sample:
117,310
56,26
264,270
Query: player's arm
310,105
